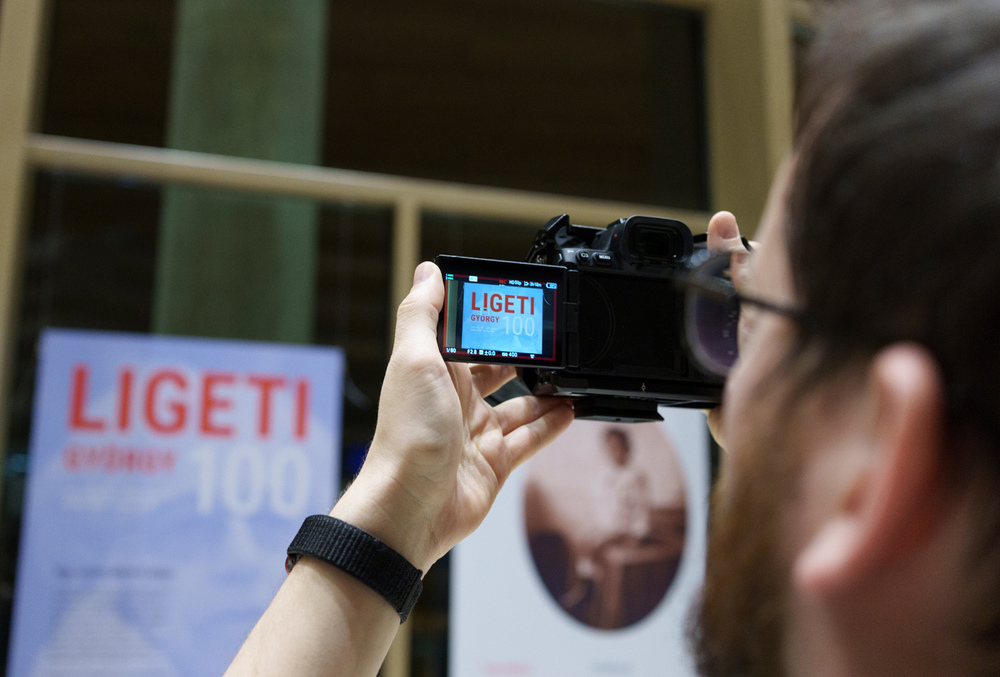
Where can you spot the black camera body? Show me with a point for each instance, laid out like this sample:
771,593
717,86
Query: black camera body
608,323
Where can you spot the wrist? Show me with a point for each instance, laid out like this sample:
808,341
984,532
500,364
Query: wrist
381,507
361,555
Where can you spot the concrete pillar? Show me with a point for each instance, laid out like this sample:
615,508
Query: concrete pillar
247,81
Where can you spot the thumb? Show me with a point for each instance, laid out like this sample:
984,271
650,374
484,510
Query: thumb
724,234
417,317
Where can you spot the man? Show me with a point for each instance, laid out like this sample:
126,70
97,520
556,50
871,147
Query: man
620,527
856,528
624,502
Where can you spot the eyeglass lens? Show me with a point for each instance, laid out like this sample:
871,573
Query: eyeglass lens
712,316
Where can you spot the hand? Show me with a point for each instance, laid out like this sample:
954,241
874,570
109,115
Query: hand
439,457
440,453
723,237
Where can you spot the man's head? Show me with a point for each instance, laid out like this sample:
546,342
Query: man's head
858,525
618,447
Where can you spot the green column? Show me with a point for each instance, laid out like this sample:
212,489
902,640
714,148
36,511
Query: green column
247,81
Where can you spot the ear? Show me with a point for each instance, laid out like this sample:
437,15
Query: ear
889,502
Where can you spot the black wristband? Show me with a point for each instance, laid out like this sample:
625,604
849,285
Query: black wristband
361,555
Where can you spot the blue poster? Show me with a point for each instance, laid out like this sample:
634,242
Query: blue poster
502,318
167,476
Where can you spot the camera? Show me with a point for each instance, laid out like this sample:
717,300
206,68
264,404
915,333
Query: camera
596,314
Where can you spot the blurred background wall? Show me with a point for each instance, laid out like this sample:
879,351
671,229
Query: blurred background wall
275,169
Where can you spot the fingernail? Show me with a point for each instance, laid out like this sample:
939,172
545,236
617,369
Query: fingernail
422,272
728,229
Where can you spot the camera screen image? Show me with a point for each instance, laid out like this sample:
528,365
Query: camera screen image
498,315
498,318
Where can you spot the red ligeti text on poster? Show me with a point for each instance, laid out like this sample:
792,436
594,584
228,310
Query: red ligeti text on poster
169,401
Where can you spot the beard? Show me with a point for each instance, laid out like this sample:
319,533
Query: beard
738,625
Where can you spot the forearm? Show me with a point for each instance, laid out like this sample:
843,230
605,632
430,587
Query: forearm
322,622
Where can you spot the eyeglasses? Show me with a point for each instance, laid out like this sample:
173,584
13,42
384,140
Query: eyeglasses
714,309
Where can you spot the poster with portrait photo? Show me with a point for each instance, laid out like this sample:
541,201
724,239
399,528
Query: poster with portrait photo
591,558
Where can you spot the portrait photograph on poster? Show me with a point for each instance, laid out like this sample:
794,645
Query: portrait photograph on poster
605,517
591,558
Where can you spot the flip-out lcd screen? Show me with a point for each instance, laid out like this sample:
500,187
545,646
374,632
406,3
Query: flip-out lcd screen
501,312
